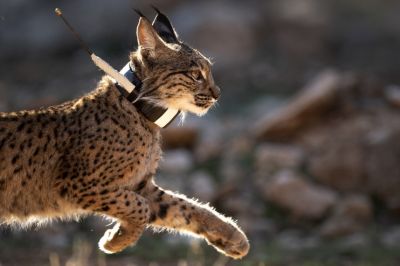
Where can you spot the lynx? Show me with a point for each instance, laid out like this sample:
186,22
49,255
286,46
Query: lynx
98,154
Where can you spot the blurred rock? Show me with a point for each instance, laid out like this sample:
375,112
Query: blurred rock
208,150
232,172
351,215
242,203
235,159
315,99
59,235
357,152
391,238
257,226
265,104
392,95
303,199
295,240
272,156
337,155
355,241
359,207
240,145
382,161
202,186
172,181
179,137
58,240
176,161
212,137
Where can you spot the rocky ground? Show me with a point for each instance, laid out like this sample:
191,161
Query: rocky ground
302,149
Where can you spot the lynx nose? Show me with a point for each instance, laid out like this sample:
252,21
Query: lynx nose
215,92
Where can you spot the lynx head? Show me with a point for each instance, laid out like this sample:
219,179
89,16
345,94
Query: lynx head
173,74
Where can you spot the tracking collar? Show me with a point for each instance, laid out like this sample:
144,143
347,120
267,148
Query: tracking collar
128,84
160,116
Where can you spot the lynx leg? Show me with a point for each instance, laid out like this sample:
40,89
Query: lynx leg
130,209
174,211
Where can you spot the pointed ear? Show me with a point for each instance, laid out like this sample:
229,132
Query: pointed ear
164,28
147,37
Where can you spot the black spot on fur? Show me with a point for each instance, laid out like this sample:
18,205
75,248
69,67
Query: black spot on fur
21,127
104,191
63,191
187,220
17,170
14,159
152,218
159,196
141,185
162,212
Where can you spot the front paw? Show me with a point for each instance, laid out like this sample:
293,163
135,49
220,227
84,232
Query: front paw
229,240
107,242
117,239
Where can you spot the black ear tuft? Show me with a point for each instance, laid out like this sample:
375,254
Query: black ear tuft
139,13
164,27
156,9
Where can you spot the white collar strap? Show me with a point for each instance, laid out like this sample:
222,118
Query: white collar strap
129,85
160,116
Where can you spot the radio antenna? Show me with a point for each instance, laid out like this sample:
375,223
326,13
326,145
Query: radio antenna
72,30
162,119
103,65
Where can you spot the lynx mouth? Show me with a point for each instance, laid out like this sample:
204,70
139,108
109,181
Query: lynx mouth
206,105
204,101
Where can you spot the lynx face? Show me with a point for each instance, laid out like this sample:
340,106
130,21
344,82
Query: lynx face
174,75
